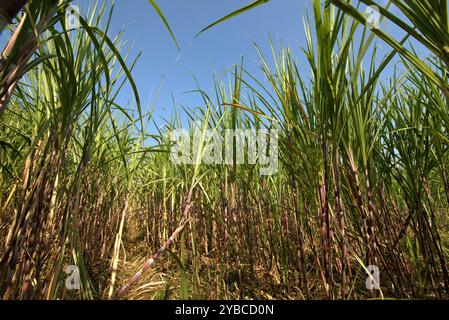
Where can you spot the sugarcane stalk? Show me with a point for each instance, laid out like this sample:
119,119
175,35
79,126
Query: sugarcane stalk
8,10
150,262
116,254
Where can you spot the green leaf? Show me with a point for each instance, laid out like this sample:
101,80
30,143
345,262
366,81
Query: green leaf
164,20
249,6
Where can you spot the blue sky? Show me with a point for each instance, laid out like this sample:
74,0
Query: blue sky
216,50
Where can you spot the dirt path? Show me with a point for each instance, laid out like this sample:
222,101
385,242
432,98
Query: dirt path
152,284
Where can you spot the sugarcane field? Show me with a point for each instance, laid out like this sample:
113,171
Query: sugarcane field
247,150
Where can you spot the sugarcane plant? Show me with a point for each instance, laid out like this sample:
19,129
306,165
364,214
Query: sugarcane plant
361,180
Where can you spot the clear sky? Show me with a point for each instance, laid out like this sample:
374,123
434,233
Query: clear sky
216,50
